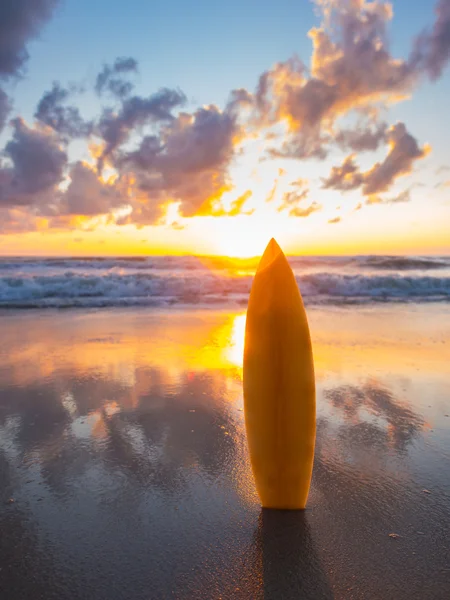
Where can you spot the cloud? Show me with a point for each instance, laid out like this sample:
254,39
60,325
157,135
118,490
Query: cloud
300,182
299,211
239,99
431,51
374,199
345,177
236,208
403,152
89,196
20,21
115,128
175,225
351,69
362,138
66,120
110,79
335,220
16,220
188,162
163,156
5,107
273,192
37,165
291,199
404,196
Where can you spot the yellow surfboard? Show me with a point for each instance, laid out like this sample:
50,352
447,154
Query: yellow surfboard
279,386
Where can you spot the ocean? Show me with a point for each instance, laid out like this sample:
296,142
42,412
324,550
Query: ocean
163,281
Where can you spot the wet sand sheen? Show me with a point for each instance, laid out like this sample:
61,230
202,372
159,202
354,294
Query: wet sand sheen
122,445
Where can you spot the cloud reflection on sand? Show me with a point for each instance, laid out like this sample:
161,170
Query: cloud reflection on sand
397,423
171,382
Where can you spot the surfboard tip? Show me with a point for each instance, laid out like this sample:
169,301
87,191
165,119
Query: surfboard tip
271,252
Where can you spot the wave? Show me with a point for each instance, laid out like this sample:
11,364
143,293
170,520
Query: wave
401,263
157,289
195,263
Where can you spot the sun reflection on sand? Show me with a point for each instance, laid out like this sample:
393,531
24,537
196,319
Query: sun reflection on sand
235,349
116,345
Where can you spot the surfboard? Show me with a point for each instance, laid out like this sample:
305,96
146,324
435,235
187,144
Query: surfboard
279,385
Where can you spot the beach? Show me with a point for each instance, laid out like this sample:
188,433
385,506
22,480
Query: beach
124,470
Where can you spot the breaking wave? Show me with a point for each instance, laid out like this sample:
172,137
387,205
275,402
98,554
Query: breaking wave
166,281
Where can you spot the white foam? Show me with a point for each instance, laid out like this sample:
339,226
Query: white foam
161,281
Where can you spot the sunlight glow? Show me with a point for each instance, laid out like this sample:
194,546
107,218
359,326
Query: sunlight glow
235,349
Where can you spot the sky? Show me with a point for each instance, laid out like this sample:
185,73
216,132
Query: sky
136,128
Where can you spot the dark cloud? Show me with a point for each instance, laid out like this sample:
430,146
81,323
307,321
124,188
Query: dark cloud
362,138
304,145
66,120
114,128
20,21
403,151
187,162
89,196
344,178
111,78
431,51
5,107
351,70
261,99
239,98
37,165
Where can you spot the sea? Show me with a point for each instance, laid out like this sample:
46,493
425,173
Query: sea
163,281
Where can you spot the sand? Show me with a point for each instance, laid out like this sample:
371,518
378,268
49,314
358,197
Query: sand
124,471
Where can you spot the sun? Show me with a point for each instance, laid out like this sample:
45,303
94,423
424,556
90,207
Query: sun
244,245
245,236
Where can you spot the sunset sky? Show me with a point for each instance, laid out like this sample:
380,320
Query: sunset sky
141,127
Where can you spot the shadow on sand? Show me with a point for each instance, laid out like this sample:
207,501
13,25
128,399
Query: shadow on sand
290,566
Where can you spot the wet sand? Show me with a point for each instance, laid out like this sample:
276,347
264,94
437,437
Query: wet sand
124,471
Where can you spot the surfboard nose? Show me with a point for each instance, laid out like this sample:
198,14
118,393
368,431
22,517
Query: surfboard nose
271,252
